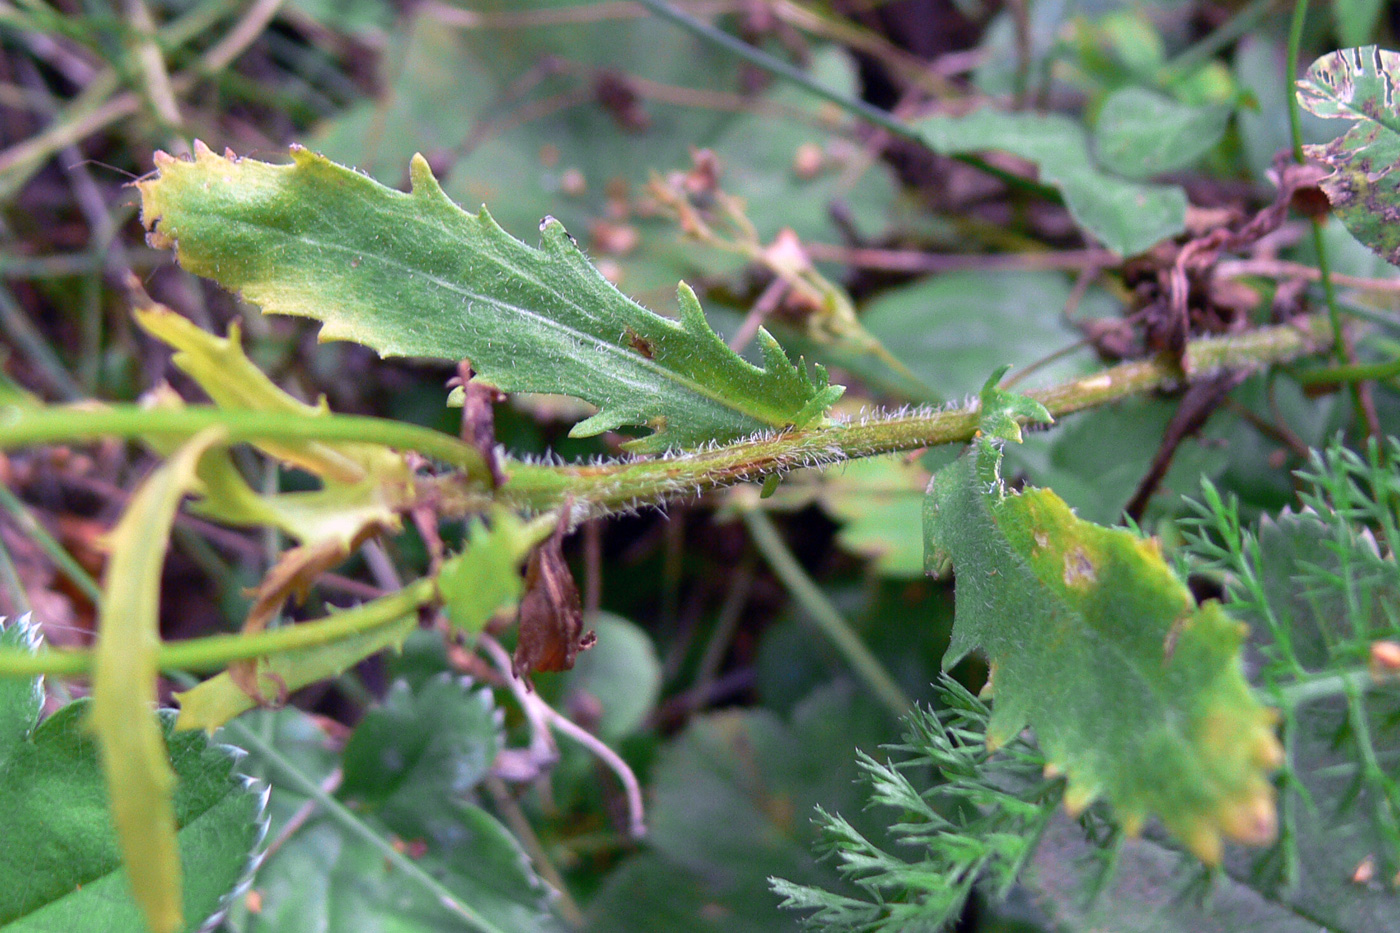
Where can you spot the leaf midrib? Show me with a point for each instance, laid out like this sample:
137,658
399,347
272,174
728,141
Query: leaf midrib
401,268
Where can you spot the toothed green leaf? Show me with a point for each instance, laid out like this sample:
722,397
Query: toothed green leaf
1134,691
415,275
1003,411
57,845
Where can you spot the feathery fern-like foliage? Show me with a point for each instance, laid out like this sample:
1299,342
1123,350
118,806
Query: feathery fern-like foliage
1319,586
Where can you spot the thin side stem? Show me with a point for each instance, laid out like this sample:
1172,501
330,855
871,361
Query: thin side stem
21,427
1365,412
1239,25
1350,372
51,547
1307,690
216,652
827,617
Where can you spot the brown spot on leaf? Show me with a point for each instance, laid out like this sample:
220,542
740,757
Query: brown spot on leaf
639,343
1079,570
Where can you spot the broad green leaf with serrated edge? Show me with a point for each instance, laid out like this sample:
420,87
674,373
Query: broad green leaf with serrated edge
1364,187
1141,133
21,698
434,743
413,274
140,782
1126,216
732,805
56,839
328,878
1134,691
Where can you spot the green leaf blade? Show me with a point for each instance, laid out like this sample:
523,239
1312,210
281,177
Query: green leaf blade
412,274
21,699
329,876
436,743
55,832
1134,691
1127,216
1364,187
1141,133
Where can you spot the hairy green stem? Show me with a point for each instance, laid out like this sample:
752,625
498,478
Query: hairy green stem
618,486
597,489
826,616
21,426
216,652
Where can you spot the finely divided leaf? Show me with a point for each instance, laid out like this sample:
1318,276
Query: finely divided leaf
1364,187
1133,690
415,275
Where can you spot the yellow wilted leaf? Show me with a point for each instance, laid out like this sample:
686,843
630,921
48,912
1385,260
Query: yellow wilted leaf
140,782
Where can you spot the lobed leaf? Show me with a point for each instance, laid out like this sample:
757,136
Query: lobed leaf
220,367
413,274
140,782
421,745
485,578
732,803
1364,187
1134,691
1126,216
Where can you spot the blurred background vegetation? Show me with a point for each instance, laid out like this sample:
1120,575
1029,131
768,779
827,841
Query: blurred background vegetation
668,158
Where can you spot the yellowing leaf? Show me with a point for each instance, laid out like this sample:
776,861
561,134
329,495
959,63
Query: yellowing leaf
1134,691
140,781
220,367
